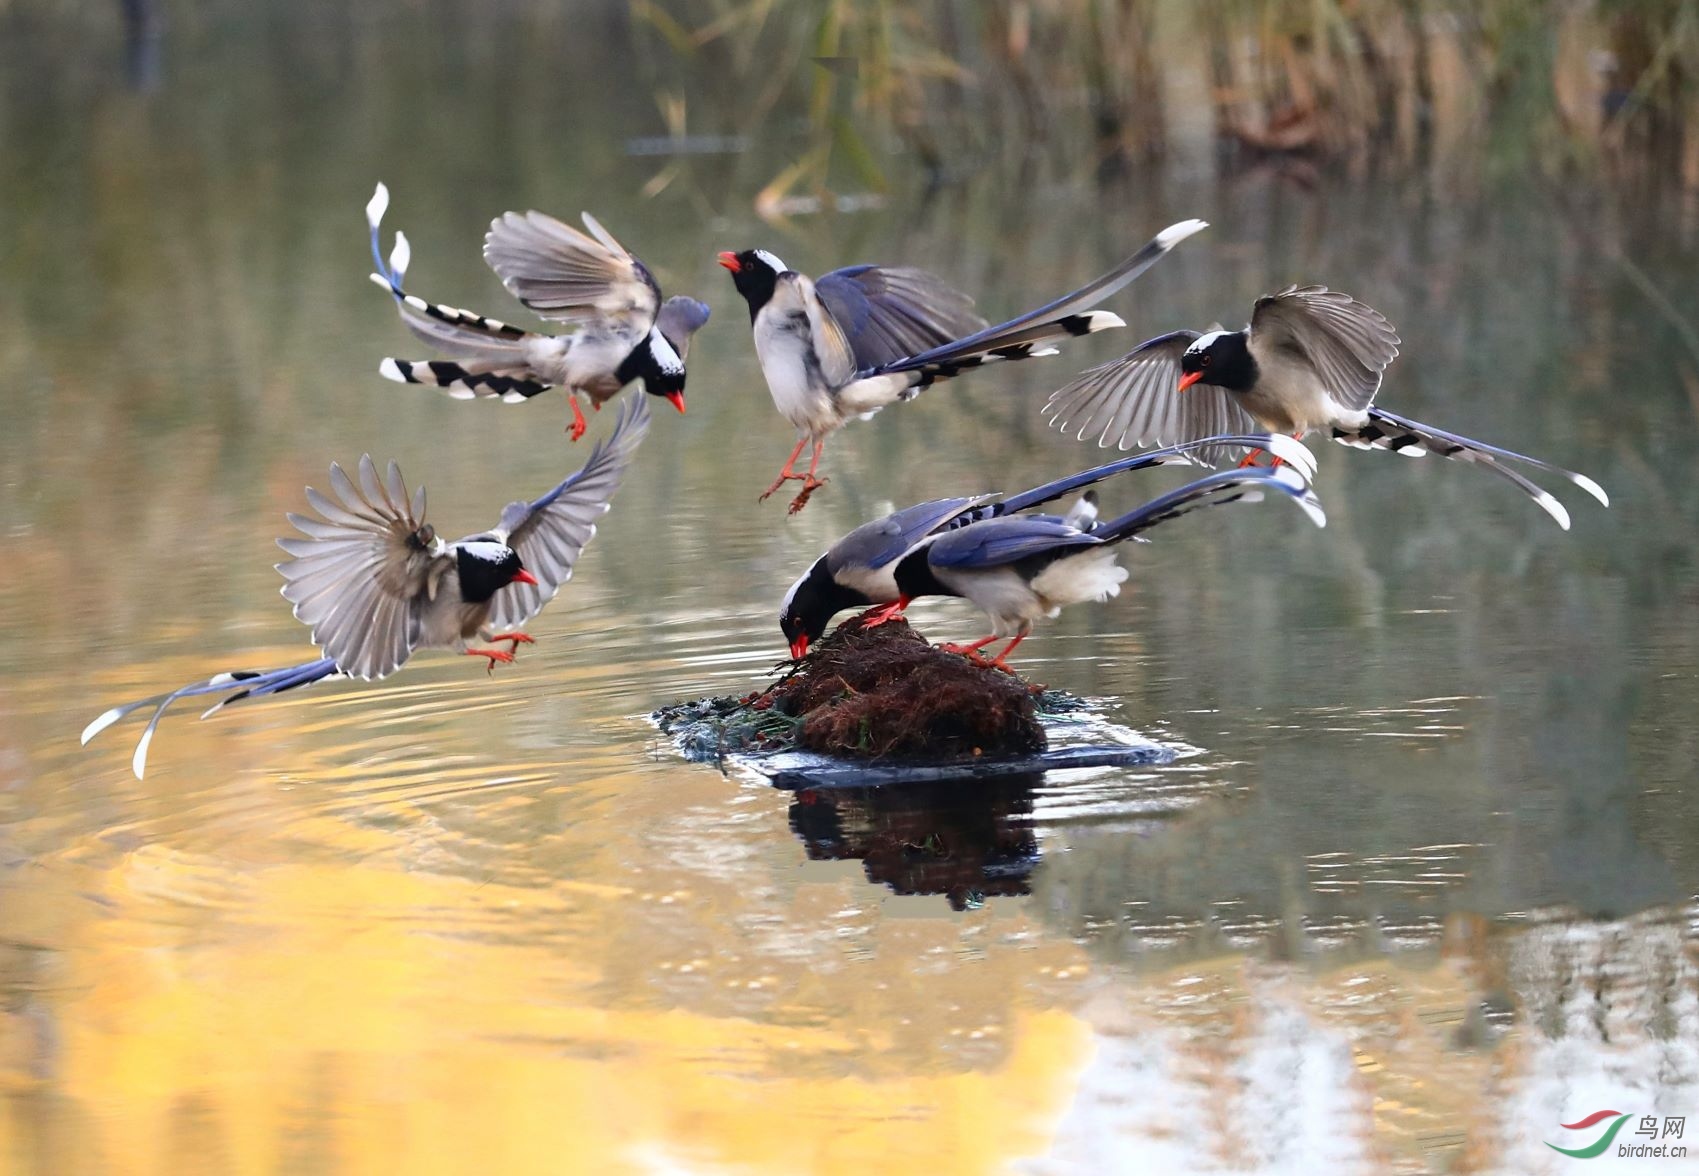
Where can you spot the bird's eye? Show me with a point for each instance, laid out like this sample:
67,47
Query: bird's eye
1205,361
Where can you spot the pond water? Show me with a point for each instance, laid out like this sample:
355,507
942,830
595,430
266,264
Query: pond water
1422,887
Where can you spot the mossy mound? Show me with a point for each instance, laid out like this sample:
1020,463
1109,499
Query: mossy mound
885,691
863,693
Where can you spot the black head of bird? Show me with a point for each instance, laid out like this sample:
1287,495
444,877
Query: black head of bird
811,604
659,366
487,568
754,272
1221,358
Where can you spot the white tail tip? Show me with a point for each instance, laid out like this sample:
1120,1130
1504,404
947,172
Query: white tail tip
382,281
1294,453
389,369
138,762
377,205
1174,234
400,257
100,724
1554,508
1591,487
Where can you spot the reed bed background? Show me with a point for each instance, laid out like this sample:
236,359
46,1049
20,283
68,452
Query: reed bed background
1469,87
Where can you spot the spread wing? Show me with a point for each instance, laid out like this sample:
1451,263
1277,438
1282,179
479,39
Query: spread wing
550,533
1000,541
831,346
890,313
875,544
679,319
361,574
568,276
1135,401
1347,343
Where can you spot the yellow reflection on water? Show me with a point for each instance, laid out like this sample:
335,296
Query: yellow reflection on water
288,974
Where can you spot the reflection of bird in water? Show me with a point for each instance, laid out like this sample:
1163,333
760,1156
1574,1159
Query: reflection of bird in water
964,839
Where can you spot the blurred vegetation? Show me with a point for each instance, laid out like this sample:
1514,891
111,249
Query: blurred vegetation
1605,86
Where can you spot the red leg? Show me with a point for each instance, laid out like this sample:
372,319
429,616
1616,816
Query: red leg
1250,459
787,474
517,639
886,612
579,424
1001,660
971,651
809,483
495,655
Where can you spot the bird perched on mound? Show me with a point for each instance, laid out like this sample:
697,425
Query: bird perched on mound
1312,359
1018,568
376,582
625,331
860,568
864,337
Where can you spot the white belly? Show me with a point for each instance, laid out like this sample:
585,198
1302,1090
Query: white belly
1289,399
794,379
1001,593
591,359
447,620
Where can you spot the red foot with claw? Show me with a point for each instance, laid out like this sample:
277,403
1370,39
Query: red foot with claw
885,612
517,639
809,486
971,651
495,655
810,483
579,425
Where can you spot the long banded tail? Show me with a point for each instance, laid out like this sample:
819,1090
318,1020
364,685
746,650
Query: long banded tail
462,382
1069,305
236,685
1384,430
1011,341
480,325
1243,485
1285,448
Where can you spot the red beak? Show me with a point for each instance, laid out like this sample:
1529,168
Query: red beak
523,577
676,399
730,261
1190,378
799,647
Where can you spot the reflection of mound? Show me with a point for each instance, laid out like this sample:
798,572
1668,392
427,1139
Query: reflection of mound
963,839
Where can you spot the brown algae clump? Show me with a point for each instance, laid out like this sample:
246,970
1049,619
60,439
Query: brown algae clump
884,691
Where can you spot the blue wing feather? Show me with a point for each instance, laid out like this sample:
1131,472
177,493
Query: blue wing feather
1006,540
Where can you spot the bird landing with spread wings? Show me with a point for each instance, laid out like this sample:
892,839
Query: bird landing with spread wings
376,583
624,331
1311,360
858,339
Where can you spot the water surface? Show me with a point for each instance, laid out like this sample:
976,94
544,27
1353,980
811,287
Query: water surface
1424,886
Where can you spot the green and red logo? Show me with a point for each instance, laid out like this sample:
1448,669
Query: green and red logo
1598,1146
1655,1147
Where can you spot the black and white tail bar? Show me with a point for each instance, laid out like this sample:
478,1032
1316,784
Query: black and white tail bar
1029,342
1384,430
460,383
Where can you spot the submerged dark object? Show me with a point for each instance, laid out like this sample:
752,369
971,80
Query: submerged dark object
877,706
